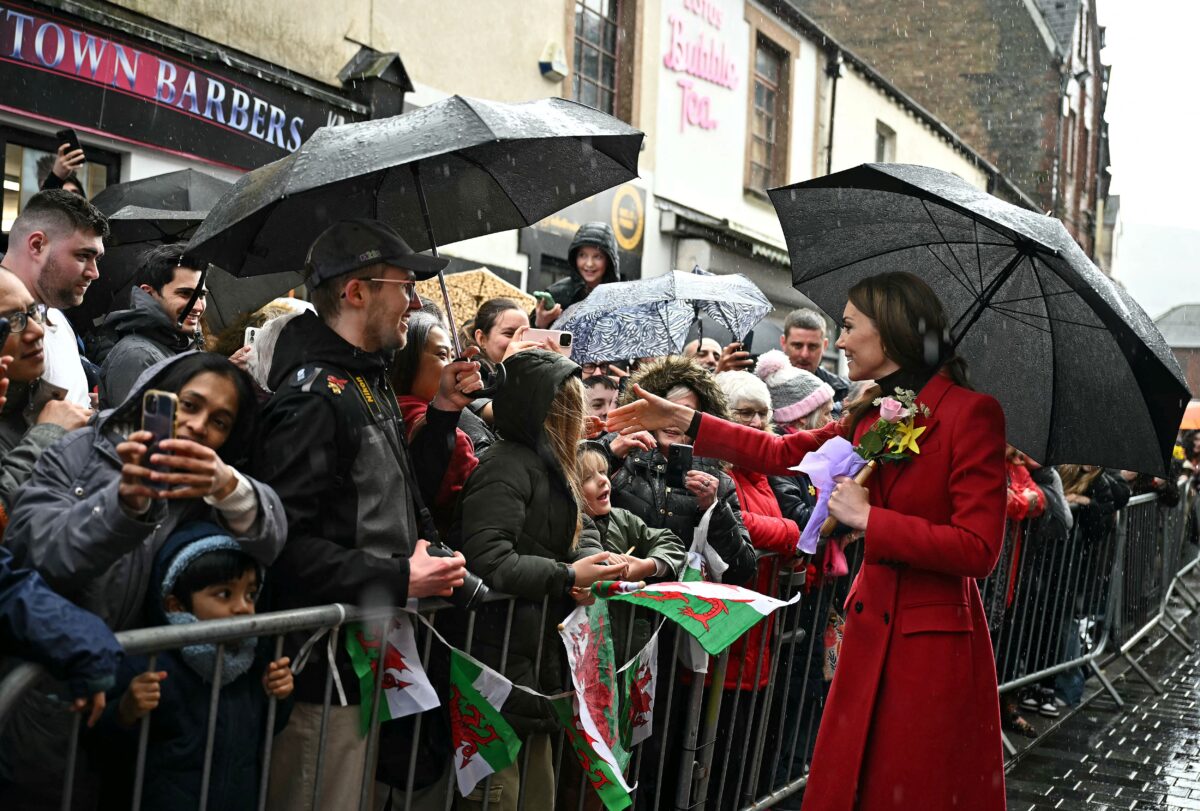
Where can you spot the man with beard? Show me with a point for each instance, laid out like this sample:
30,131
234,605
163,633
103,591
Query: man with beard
151,330
53,248
332,444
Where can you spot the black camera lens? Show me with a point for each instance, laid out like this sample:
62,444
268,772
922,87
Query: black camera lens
471,594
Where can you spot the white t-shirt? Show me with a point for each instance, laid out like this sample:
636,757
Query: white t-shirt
63,368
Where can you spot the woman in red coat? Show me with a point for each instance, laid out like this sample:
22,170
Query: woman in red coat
913,717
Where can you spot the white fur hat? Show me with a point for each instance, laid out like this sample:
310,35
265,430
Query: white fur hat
795,393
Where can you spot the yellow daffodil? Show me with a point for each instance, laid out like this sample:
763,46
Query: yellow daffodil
906,437
1178,453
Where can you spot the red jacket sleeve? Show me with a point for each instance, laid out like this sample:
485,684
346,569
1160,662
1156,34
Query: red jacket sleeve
969,545
1018,504
757,450
770,533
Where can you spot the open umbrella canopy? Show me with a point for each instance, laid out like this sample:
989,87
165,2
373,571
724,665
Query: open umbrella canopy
1082,372
141,214
651,317
485,167
471,288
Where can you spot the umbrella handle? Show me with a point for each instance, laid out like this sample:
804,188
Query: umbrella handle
493,380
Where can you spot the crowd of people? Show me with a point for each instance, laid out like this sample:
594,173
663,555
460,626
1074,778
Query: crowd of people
344,457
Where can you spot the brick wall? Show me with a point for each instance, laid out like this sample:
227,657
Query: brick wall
981,66
1189,361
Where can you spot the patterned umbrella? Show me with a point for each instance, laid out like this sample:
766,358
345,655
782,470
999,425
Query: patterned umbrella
651,317
470,288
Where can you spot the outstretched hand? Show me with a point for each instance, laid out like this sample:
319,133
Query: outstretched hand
649,413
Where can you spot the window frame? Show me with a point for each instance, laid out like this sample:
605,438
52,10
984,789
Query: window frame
580,9
627,94
764,29
887,136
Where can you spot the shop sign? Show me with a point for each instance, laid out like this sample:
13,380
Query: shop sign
66,70
695,48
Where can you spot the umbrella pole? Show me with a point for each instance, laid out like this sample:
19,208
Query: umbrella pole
416,170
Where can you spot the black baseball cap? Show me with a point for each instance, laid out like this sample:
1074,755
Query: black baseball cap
358,243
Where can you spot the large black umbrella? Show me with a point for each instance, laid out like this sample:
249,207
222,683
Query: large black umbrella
1082,372
459,168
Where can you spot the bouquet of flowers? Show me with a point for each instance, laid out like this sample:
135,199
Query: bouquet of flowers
893,438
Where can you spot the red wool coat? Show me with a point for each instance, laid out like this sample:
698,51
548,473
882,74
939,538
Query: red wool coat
913,717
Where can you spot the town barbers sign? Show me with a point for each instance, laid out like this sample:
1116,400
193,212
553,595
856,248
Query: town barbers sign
65,69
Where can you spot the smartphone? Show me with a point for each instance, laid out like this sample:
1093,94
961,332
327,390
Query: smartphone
679,462
562,339
748,341
251,333
67,136
545,298
158,417
5,331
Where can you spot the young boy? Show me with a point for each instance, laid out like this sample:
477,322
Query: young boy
203,575
650,553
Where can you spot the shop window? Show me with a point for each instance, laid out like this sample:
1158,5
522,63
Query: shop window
885,143
27,159
595,80
767,164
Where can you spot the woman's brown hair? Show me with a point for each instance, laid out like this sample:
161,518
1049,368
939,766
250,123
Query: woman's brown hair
912,326
1077,479
564,428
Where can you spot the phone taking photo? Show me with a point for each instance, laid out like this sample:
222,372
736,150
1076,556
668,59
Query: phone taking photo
67,136
251,334
545,298
158,417
679,462
554,336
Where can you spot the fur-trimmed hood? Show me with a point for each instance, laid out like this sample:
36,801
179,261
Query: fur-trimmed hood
662,375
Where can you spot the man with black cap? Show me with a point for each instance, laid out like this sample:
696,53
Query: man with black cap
332,444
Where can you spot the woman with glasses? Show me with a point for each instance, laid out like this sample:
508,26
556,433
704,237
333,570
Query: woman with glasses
34,415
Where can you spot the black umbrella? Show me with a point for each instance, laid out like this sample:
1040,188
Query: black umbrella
459,168
141,214
1082,372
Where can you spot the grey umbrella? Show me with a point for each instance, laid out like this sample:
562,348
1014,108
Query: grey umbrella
1082,372
459,168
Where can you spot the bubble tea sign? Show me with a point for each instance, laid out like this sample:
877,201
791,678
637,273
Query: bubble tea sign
696,50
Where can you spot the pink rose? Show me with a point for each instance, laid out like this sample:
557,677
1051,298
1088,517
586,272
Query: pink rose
891,410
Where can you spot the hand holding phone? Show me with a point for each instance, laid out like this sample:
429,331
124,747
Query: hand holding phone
68,155
553,339
679,462
547,300
251,334
158,419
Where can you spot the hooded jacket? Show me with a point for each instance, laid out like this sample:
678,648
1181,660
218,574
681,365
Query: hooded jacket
69,524
517,520
333,445
144,334
178,728
639,483
571,288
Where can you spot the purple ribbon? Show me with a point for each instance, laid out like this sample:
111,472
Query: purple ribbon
823,466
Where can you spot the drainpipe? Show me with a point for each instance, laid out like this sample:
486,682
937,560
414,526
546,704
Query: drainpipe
833,69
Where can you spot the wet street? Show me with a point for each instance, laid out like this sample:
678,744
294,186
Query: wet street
1142,756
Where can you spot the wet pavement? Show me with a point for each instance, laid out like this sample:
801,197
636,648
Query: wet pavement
1145,755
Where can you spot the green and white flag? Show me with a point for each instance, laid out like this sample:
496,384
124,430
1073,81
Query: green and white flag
715,614
483,741
639,680
593,721
406,687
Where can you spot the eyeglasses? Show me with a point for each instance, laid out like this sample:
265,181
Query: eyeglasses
748,414
410,289
18,321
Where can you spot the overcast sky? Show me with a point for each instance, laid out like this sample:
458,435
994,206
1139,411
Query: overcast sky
1154,124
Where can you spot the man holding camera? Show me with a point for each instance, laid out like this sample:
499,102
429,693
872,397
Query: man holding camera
332,444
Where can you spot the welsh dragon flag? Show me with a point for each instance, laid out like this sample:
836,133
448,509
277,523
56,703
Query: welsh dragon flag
484,743
715,614
592,720
406,688
639,679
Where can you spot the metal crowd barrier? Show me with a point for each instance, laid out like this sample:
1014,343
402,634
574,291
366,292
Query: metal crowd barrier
1073,599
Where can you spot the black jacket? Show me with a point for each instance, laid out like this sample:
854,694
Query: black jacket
840,385
517,520
571,288
338,464
132,341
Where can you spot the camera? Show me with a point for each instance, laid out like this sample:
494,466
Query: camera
471,594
